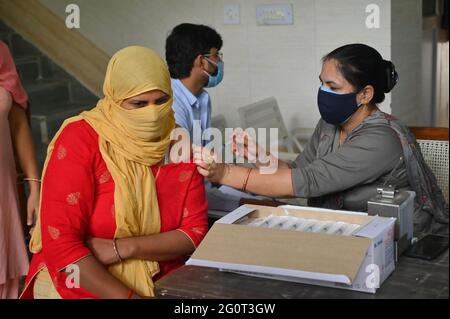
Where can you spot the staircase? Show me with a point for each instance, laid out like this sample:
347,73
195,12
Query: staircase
54,95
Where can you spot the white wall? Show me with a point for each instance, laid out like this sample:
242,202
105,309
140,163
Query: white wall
408,99
260,61
443,79
428,80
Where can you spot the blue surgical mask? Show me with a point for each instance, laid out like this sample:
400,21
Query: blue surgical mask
336,108
217,77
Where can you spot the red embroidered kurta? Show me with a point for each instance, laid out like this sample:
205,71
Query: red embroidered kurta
78,203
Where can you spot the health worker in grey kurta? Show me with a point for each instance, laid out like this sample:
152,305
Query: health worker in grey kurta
355,148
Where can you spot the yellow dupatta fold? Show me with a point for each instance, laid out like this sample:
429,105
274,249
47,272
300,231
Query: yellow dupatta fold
130,141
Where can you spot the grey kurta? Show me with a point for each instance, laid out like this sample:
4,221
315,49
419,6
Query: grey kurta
370,157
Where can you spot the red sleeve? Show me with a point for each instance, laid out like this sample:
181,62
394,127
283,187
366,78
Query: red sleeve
194,222
67,197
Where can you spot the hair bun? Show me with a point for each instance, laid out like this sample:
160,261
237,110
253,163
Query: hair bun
390,76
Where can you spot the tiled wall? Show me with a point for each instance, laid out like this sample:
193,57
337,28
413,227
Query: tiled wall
261,61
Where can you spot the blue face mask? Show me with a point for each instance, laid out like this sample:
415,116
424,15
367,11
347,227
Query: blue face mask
216,77
336,108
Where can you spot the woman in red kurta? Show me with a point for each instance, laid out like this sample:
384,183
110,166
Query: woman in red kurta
80,197
180,196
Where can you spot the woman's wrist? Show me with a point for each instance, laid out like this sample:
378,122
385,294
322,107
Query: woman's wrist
126,248
34,186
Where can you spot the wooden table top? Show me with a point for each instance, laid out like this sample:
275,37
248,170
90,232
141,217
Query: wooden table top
412,278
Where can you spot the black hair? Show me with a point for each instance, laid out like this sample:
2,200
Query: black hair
362,65
185,43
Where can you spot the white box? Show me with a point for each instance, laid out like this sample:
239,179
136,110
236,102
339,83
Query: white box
359,262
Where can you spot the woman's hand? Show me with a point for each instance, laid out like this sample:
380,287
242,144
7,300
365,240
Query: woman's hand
33,204
208,166
103,250
244,145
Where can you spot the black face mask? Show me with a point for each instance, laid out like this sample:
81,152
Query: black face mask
336,108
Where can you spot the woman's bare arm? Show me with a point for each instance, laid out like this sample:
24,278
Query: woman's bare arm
278,184
23,141
96,278
26,154
160,247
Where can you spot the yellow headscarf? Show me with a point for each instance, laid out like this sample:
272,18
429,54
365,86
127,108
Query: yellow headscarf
130,141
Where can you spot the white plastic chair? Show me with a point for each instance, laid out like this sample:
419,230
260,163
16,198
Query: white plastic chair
433,142
436,155
220,123
266,114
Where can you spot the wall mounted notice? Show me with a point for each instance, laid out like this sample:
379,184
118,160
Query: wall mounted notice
276,14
